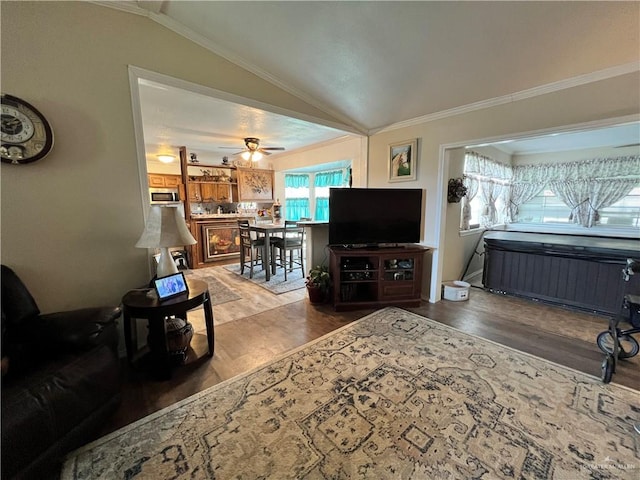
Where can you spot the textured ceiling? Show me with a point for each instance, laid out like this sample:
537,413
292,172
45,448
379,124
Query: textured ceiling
378,63
375,64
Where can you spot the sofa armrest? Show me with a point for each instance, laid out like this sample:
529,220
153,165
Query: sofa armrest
79,329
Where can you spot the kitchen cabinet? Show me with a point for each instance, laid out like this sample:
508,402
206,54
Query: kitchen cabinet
172,181
200,191
194,192
209,192
157,180
227,192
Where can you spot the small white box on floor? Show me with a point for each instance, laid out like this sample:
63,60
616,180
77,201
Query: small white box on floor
456,291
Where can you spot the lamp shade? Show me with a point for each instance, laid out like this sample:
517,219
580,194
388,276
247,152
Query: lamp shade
165,228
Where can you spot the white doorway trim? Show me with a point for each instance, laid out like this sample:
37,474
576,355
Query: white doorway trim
443,167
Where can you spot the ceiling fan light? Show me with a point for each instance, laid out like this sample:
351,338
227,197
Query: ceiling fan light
252,143
246,155
166,158
255,156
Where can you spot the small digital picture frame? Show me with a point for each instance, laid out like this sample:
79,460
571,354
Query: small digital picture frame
170,286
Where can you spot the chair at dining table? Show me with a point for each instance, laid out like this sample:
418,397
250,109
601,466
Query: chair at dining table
290,245
252,250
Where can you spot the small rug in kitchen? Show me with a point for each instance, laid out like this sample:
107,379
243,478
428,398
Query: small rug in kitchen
219,292
276,283
392,396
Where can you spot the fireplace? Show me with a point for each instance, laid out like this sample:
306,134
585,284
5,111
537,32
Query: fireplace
220,240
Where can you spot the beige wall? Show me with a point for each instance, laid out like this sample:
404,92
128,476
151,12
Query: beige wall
606,99
70,221
352,148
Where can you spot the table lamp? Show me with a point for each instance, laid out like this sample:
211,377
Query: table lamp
165,228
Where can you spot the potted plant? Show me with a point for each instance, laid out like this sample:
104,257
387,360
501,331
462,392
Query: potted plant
318,284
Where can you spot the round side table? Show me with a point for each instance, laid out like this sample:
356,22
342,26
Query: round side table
138,304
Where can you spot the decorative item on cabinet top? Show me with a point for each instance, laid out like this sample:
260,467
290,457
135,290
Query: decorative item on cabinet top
214,176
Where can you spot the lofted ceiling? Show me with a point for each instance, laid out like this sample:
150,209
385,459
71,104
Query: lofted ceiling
372,65
213,128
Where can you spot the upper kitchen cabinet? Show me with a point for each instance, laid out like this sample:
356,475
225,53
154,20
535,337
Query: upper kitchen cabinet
157,180
255,185
212,184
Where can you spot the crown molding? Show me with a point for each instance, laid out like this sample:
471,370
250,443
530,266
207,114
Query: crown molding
124,6
524,94
138,8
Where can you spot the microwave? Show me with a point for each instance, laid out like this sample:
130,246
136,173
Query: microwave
164,196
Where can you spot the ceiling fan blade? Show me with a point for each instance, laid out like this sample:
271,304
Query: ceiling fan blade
271,148
629,145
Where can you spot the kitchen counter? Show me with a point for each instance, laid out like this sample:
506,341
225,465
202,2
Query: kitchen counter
214,216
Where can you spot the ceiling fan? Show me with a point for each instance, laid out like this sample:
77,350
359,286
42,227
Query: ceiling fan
254,151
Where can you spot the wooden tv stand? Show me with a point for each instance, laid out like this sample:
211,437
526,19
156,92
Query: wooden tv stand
376,277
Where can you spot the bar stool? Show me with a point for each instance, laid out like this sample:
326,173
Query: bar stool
252,250
292,242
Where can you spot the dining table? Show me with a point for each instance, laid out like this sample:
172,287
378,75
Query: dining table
268,229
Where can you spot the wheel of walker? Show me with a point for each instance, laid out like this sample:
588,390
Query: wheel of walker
607,368
605,342
628,346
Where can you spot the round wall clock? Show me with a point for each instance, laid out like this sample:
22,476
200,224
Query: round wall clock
26,135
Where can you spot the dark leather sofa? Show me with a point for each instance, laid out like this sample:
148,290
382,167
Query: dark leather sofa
60,380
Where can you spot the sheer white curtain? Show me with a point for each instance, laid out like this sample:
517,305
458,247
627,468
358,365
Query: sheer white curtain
584,186
488,177
606,192
489,192
520,193
585,197
575,195
472,185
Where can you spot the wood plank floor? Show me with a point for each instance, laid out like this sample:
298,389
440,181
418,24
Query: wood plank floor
559,335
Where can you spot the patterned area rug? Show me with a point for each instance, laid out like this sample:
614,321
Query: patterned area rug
276,283
391,396
219,292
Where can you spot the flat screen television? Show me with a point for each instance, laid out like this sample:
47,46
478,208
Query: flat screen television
363,217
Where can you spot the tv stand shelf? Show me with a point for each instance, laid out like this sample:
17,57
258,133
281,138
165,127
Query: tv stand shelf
376,277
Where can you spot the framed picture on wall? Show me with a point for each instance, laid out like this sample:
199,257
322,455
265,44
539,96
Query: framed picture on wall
255,185
403,160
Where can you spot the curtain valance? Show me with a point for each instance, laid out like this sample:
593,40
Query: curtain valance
585,186
476,165
597,168
296,180
329,179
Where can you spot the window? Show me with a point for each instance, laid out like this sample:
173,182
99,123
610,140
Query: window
476,212
625,212
544,208
323,182
296,196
